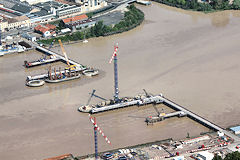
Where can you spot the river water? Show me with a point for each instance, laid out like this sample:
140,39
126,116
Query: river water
192,58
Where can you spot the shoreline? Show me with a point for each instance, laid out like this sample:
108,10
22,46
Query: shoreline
188,56
199,8
111,30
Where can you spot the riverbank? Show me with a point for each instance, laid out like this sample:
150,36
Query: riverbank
204,6
191,57
132,18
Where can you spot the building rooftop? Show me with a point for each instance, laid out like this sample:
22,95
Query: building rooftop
49,4
22,8
76,18
237,128
21,18
44,28
40,13
41,28
50,26
7,4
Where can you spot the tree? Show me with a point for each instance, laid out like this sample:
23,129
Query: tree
233,156
216,4
98,29
181,2
236,4
204,7
217,157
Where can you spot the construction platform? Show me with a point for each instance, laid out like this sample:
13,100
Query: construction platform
40,62
181,111
58,57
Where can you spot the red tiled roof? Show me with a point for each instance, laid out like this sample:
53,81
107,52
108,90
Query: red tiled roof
76,18
50,26
41,29
38,27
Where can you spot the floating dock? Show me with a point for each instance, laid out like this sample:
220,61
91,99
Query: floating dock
181,111
199,119
163,116
62,58
139,102
79,67
40,62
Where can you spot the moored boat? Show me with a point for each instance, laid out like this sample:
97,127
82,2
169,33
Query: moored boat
90,72
85,41
41,61
35,83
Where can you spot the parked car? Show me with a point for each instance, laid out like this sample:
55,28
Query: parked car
107,156
122,158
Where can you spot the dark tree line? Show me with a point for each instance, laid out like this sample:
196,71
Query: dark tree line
207,5
229,156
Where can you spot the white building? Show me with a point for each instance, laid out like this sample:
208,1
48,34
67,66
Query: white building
34,1
205,155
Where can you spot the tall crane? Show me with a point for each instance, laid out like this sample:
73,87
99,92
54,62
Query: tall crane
114,57
97,128
65,55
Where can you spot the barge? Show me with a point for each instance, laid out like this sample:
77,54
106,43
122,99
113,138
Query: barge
61,77
122,103
41,61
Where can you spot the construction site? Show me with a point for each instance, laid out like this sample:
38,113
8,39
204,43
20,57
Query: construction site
160,108
127,122
217,140
73,70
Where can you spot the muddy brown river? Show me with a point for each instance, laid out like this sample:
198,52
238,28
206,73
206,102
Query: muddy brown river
192,58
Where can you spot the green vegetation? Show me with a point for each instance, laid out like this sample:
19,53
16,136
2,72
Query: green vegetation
230,156
207,6
132,18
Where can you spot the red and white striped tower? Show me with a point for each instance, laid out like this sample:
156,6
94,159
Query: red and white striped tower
97,128
114,57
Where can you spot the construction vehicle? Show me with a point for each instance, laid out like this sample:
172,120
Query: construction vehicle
71,67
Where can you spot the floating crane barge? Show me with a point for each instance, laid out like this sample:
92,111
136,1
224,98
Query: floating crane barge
57,57
119,102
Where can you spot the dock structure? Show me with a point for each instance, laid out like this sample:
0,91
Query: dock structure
181,111
40,62
178,113
162,116
79,67
62,58
200,119
139,102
